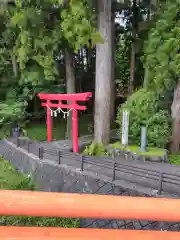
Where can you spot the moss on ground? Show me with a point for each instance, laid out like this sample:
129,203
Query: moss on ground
151,152
38,131
12,179
174,159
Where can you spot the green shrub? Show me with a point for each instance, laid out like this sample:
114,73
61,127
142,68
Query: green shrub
4,131
144,108
174,158
96,149
159,129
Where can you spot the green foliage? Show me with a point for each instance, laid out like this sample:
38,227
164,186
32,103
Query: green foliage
36,40
123,60
36,35
145,110
151,106
162,56
43,28
11,179
96,149
78,24
13,108
10,112
33,39
174,159
159,129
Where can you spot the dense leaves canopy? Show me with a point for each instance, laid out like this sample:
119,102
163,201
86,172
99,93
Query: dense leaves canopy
33,37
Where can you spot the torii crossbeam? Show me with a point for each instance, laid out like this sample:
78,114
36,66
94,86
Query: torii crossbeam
74,106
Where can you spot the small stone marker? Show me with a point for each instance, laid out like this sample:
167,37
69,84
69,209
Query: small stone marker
143,139
125,128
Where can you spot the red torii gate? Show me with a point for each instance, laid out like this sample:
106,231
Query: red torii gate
73,106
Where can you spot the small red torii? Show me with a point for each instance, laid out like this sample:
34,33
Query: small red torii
73,106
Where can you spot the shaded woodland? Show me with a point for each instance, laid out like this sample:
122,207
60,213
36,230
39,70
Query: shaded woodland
125,52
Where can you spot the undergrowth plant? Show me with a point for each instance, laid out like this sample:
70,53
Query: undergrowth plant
96,149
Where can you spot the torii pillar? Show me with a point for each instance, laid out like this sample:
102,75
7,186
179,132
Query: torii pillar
74,106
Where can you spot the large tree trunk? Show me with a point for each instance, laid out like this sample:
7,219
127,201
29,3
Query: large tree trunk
175,110
70,86
14,65
113,87
133,47
103,74
146,78
132,64
175,145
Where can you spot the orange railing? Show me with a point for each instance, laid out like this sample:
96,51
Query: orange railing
22,203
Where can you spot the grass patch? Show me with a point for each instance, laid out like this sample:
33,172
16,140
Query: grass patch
174,158
11,179
136,149
37,131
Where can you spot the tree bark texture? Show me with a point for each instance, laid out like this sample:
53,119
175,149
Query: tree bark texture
133,47
70,86
146,78
175,112
133,59
14,65
103,74
113,87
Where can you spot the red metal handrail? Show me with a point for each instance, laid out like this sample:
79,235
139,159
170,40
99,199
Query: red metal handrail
32,233
24,203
